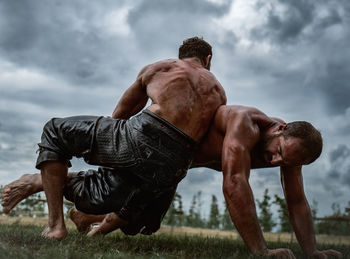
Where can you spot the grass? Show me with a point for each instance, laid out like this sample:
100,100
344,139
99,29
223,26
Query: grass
24,241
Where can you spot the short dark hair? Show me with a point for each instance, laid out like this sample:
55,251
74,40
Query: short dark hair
195,47
311,139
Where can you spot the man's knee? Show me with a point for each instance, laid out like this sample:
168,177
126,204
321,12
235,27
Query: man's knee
70,176
111,217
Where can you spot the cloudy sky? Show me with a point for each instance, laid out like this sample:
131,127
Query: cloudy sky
289,58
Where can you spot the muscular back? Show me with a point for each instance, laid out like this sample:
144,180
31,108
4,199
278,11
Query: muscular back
250,121
184,93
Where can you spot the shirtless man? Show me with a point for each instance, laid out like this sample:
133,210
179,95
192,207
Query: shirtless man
154,148
241,138
244,138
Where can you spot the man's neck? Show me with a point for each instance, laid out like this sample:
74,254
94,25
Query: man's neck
195,61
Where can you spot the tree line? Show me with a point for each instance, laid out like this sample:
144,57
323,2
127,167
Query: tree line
176,216
337,223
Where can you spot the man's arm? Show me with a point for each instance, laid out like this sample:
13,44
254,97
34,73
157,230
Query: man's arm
239,139
299,212
239,197
133,100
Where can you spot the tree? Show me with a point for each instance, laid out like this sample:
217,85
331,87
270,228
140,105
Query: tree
214,217
1,188
175,214
313,208
283,215
180,213
265,217
336,225
226,221
193,218
32,206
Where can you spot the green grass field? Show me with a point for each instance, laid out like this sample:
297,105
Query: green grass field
24,241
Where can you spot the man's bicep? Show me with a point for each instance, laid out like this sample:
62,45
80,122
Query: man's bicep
132,101
235,161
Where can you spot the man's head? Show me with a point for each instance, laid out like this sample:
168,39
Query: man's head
295,143
196,47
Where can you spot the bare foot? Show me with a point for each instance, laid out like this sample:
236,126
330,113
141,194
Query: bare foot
57,232
20,189
82,220
94,231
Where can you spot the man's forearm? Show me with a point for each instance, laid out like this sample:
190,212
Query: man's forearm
301,220
240,203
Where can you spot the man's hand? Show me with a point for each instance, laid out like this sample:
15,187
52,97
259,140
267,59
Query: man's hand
281,253
326,254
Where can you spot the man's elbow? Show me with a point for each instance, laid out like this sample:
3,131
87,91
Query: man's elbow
230,187
227,189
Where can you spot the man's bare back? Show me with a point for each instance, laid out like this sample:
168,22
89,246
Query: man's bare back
183,92
256,124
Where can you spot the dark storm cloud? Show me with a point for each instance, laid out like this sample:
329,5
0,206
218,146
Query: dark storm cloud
266,177
341,152
199,176
36,96
318,31
288,25
345,129
339,172
334,174
335,85
332,18
157,22
13,123
177,7
18,140
60,37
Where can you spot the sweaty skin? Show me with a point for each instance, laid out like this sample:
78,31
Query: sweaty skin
183,92
238,141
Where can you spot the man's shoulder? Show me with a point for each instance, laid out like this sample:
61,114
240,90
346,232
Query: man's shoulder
165,62
153,68
236,110
230,116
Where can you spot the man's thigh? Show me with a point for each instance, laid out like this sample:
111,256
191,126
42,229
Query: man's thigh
98,191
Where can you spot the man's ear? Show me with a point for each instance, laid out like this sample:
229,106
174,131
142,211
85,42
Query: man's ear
207,62
282,127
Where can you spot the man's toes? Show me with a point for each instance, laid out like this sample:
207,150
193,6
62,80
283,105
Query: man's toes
4,201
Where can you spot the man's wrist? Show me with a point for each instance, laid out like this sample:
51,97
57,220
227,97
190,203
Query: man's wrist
261,252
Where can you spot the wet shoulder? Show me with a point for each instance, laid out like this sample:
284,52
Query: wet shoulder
236,114
160,66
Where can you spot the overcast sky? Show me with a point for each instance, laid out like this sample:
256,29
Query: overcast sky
288,58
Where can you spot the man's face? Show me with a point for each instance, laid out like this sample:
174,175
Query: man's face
281,151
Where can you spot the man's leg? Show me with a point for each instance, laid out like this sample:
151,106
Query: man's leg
53,176
20,189
110,223
83,221
28,184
